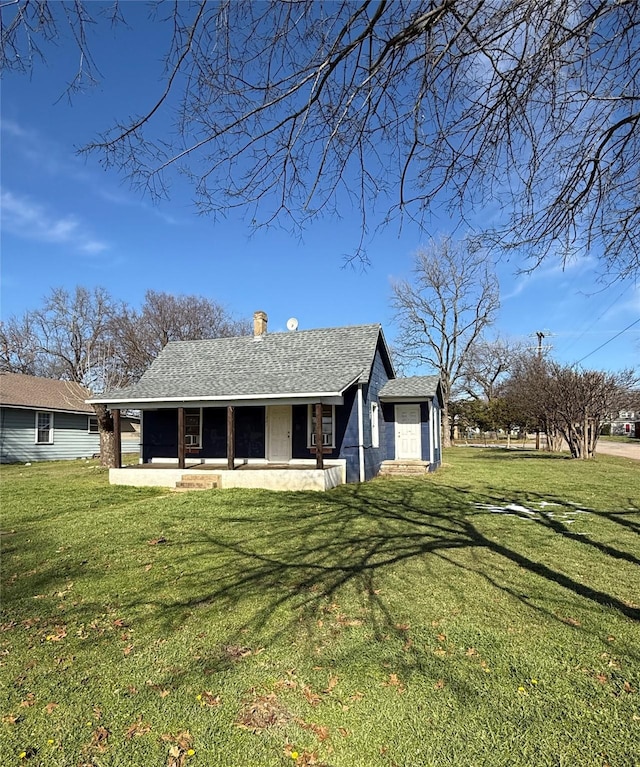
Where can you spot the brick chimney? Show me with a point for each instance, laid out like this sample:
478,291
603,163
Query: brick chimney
259,324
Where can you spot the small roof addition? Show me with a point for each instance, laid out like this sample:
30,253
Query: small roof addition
414,388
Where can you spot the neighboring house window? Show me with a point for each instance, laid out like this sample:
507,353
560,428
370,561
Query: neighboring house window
93,425
192,427
375,428
328,429
44,428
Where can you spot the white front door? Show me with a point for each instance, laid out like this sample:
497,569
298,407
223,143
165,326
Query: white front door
408,444
279,433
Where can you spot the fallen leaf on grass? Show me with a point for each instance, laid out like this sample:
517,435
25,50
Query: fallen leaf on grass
158,688
209,699
180,749
262,712
11,718
99,739
120,623
156,541
137,729
236,653
319,730
394,682
50,707
289,684
628,688
333,681
30,700
439,684
343,620
59,633
312,697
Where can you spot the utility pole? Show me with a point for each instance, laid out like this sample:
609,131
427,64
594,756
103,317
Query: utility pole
541,334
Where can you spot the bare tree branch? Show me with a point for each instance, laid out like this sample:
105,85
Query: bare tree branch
441,311
295,110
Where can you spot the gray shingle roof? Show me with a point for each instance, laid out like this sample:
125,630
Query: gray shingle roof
17,390
413,387
277,364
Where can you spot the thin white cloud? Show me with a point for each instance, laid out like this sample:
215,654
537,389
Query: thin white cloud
49,157
24,218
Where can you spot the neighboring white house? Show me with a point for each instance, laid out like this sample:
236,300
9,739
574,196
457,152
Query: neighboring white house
42,419
624,422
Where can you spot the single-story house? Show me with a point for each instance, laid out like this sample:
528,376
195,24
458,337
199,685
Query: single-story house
298,409
42,419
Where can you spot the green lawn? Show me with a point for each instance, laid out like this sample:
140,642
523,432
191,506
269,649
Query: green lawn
485,615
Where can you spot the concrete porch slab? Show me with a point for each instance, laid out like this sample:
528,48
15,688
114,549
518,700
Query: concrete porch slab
294,477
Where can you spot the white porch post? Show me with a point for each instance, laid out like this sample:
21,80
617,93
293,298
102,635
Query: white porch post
361,433
432,431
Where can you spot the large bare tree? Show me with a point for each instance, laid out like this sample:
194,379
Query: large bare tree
441,311
88,337
69,338
140,334
291,110
487,365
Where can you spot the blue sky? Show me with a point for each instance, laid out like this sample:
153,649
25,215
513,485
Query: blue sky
66,221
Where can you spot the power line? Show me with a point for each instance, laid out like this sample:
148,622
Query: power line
597,319
635,322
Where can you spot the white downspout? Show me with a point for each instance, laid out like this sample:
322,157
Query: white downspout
140,456
361,433
431,431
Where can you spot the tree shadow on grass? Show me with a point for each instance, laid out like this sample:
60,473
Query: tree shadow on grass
295,554
278,563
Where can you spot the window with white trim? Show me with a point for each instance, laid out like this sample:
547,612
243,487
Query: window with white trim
375,425
92,427
193,427
44,428
328,426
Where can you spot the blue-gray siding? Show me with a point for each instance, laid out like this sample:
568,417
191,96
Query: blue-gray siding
425,432
71,438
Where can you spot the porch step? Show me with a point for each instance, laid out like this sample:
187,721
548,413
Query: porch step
403,468
198,482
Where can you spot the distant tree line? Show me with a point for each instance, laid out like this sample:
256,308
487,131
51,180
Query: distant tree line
568,405
89,337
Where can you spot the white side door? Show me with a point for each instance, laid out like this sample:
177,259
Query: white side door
279,433
408,443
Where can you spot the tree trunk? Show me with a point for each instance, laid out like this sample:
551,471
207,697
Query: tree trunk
105,429
446,426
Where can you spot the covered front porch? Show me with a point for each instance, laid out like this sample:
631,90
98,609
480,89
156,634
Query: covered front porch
251,446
